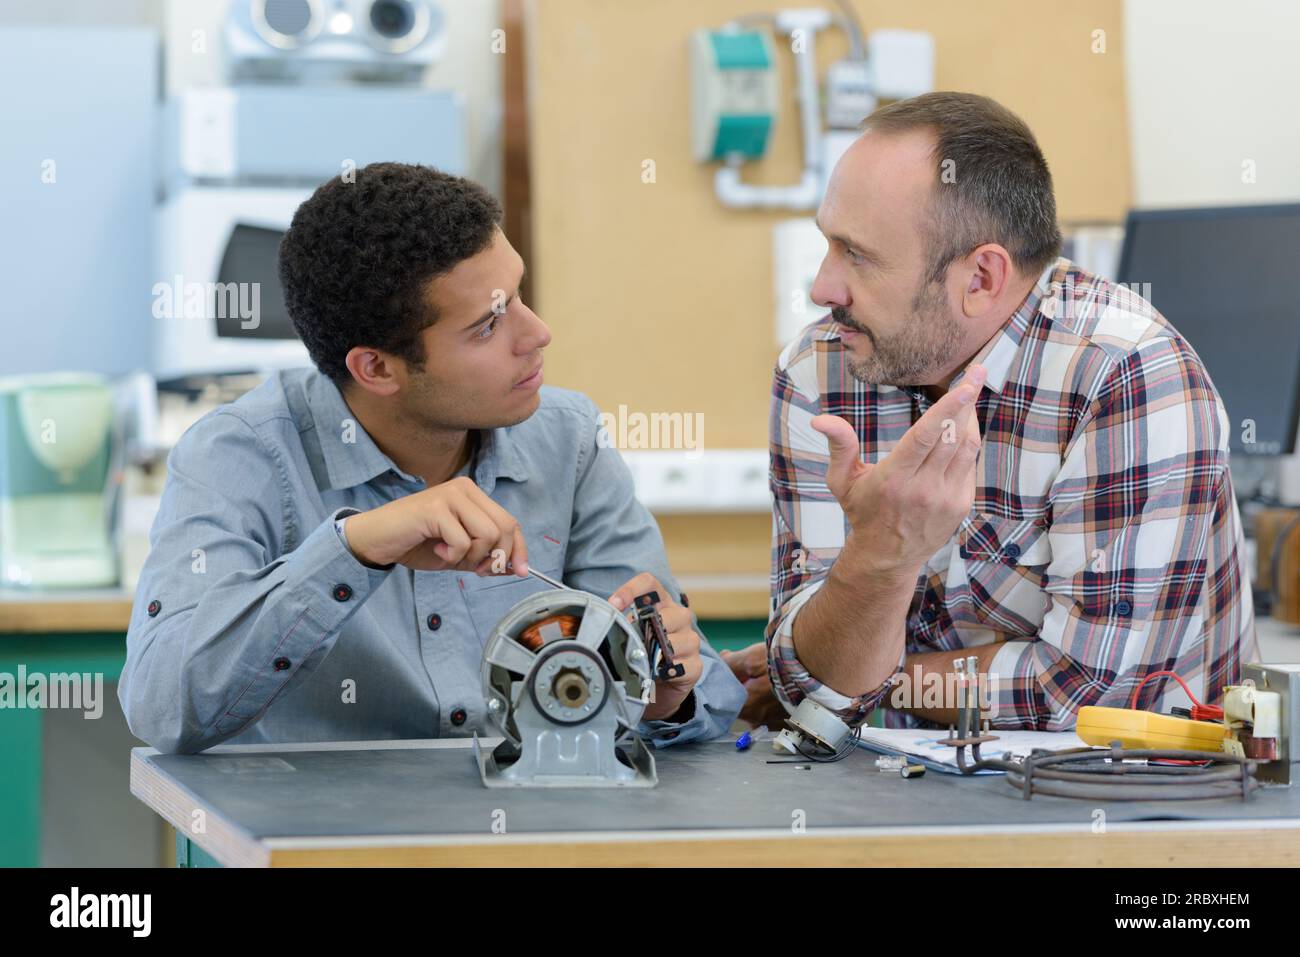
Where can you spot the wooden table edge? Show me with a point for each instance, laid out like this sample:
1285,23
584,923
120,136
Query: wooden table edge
1171,845
48,612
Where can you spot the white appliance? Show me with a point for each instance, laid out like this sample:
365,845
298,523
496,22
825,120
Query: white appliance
56,481
315,40
238,162
216,261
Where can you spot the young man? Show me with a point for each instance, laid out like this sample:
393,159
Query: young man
332,549
985,450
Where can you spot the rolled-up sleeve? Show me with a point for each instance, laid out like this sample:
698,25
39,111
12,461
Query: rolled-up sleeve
808,531
220,628
613,538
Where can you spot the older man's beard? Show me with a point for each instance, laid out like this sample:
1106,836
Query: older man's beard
926,346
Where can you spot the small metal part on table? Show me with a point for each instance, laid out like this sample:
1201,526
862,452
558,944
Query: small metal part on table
966,733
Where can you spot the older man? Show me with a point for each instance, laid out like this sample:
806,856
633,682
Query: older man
985,450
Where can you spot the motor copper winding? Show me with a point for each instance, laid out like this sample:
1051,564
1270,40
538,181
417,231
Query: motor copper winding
538,633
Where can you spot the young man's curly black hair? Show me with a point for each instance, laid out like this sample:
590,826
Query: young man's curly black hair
358,257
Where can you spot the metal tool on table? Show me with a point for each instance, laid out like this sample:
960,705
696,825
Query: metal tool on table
1205,751
966,732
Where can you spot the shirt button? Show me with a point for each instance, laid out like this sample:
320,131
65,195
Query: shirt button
929,613
1011,550
435,622
281,664
155,606
458,717
1123,608
342,592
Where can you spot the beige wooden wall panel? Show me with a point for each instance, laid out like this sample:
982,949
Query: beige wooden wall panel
659,297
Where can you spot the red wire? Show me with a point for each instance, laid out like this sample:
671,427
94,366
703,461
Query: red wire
1200,712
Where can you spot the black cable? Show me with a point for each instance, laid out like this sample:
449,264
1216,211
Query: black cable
846,749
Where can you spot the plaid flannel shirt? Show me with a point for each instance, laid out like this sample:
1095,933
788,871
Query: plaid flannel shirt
1104,543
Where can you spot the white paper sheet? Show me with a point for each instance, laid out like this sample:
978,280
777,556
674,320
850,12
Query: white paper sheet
924,744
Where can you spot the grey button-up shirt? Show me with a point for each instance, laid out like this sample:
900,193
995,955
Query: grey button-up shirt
253,622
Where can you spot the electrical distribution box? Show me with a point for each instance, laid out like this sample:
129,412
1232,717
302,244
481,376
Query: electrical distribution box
733,94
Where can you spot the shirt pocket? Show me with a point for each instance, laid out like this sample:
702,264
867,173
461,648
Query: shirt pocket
488,599
1010,541
1005,561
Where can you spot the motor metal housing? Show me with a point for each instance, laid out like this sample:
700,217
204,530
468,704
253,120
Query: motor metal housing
567,708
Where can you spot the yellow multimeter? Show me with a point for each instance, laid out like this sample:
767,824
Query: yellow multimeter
1146,729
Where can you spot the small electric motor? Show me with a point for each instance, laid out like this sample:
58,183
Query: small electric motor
566,678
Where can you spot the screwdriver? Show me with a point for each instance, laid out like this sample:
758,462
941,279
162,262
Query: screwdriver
554,583
546,578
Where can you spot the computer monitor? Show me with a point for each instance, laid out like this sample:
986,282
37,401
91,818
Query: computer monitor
1226,279
252,257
